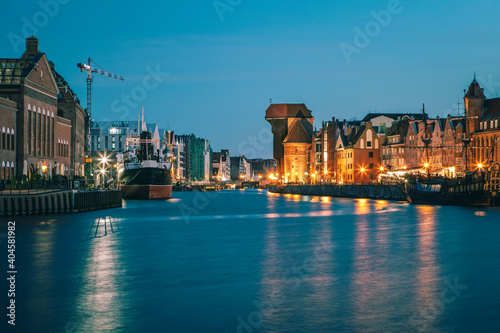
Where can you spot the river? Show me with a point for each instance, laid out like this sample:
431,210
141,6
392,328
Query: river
252,261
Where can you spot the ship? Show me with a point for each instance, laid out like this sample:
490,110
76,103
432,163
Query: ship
147,176
478,188
472,188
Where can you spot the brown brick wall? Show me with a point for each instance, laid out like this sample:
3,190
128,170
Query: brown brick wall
8,132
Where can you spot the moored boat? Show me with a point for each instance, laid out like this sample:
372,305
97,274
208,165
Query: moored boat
149,175
472,189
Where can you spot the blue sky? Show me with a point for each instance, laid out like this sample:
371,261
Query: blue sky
222,73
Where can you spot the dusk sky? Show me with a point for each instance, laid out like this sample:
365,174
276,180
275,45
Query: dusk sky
225,64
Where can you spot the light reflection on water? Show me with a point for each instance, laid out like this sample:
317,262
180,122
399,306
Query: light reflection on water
339,265
101,301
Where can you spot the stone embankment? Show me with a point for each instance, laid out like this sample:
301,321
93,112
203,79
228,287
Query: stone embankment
387,192
59,202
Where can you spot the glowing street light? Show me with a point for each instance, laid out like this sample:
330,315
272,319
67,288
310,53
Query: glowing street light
362,175
480,165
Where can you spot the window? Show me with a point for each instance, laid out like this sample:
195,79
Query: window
370,154
368,143
370,166
371,176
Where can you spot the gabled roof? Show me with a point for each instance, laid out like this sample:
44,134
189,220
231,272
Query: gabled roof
298,134
458,122
355,136
341,141
288,110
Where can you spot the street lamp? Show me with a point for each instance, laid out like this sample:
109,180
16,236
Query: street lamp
44,170
362,175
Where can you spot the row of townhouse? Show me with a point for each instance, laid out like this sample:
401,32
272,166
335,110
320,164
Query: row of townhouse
356,152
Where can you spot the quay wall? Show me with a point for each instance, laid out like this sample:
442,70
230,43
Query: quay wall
387,192
59,202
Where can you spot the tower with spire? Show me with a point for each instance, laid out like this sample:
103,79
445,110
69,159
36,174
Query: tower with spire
474,101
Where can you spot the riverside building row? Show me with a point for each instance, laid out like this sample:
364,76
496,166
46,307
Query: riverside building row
193,160
357,152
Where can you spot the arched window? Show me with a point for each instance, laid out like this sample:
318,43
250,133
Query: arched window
362,144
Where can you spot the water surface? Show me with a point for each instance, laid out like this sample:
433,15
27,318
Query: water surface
250,261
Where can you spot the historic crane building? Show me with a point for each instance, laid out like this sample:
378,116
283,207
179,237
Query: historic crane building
292,127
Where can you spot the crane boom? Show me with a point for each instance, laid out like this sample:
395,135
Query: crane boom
98,71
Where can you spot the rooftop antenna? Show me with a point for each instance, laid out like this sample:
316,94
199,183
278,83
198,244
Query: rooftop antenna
458,109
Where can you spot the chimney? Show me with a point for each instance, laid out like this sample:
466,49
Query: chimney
31,48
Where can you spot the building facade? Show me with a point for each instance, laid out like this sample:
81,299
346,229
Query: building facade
8,121
42,144
292,127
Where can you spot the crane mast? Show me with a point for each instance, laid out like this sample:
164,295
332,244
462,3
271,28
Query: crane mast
88,67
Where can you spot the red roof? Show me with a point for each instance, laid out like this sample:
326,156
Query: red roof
288,110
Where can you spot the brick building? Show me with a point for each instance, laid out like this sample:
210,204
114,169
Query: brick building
482,117
69,108
8,115
292,127
43,139
358,155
